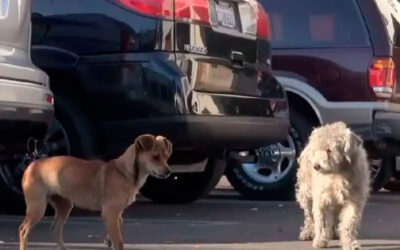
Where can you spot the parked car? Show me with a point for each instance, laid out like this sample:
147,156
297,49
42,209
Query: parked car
338,61
26,102
195,71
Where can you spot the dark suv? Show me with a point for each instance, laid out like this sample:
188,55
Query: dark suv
195,71
338,61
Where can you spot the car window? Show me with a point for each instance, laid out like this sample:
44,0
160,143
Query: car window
390,11
315,23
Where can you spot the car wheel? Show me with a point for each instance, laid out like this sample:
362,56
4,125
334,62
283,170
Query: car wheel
184,187
272,175
381,171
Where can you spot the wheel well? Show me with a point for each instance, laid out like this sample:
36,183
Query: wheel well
298,103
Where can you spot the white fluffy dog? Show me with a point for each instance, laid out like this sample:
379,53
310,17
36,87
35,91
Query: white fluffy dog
333,184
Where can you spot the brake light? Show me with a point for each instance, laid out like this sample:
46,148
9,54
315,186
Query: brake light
161,8
193,10
49,99
382,77
263,24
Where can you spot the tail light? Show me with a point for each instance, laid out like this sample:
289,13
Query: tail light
263,24
188,10
382,77
49,99
193,10
158,8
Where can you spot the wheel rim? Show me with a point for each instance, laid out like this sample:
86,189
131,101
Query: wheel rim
273,163
57,140
375,169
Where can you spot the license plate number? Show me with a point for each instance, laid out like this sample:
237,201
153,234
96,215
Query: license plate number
226,15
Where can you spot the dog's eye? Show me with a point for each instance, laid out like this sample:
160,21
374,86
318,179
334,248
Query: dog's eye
328,151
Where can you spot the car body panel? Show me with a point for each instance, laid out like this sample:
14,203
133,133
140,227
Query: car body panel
138,69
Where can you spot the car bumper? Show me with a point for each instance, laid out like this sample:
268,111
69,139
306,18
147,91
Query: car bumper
378,123
25,112
205,133
387,125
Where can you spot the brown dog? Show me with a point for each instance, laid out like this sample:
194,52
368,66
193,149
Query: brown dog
107,187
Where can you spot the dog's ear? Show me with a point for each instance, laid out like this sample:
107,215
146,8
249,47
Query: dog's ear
352,142
167,143
145,142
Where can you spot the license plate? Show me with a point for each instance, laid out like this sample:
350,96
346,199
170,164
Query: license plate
226,14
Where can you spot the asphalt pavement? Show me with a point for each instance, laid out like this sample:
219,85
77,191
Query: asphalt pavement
221,221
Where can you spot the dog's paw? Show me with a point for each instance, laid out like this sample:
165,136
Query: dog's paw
108,243
306,236
317,243
352,246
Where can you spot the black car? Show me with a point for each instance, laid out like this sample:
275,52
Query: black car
196,71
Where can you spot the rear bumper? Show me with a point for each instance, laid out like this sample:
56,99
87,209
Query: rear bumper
387,125
377,122
24,113
206,133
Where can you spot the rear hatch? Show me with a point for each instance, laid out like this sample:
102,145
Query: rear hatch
223,45
15,25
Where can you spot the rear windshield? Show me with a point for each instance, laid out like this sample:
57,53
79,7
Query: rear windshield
390,10
315,23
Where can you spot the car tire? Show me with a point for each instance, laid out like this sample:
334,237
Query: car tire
184,187
382,175
263,186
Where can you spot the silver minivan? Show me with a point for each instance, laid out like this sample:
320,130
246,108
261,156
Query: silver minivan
26,102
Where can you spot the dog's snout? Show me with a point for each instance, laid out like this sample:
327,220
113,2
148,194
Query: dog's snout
317,167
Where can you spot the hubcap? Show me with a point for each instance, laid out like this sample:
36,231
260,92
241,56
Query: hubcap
273,163
375,168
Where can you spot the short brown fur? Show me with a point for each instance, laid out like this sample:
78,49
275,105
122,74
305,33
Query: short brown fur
108,187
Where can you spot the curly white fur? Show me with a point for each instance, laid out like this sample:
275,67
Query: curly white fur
333,184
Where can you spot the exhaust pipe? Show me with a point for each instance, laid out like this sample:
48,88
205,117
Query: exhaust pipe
241,157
